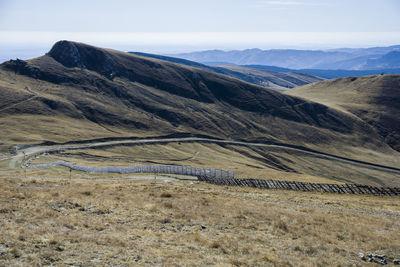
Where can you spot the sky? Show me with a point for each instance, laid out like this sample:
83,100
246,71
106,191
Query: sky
29,28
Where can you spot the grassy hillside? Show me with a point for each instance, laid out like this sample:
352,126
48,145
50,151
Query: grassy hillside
80,92
374,99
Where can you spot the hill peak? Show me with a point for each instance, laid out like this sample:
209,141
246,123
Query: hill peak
67,53
73,54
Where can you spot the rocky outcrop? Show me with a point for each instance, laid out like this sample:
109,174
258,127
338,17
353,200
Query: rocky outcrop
71,54
67,54
25,68
22,67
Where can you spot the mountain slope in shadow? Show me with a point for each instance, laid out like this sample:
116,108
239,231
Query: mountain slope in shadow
273,80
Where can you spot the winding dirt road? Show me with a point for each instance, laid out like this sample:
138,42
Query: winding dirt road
34,150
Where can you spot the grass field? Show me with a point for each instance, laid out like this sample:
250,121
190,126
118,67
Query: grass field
123,223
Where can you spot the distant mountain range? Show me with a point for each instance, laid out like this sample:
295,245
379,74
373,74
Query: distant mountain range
345,58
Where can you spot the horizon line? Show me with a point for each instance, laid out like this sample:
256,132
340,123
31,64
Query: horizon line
31,44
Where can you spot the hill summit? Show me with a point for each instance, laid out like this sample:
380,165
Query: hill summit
71,54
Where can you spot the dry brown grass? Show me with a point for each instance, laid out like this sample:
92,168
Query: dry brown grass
124,223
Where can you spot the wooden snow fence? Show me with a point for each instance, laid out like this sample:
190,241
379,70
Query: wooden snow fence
303,186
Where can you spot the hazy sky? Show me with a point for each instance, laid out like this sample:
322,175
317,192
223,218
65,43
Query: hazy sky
165,26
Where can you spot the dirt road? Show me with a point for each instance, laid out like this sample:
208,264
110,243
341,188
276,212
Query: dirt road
16,160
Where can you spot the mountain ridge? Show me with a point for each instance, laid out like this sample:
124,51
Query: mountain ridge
351,59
